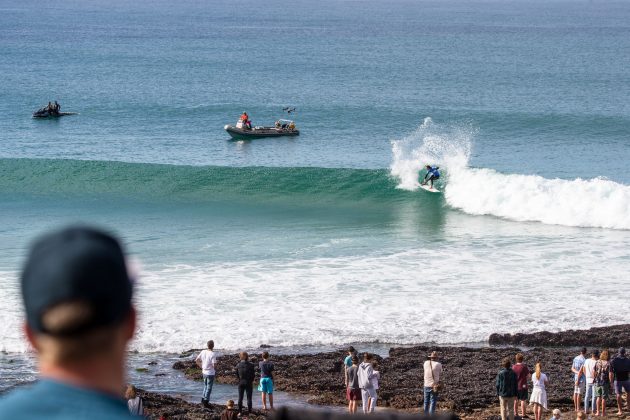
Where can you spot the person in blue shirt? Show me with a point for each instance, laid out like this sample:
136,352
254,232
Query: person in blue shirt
77,295
432,175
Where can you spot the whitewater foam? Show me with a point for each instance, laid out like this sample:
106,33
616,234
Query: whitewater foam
583,203
452,292
594,202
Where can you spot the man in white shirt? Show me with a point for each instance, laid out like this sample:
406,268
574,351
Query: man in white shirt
207,360
588,371
432,372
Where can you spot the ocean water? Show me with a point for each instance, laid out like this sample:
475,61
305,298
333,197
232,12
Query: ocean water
325,239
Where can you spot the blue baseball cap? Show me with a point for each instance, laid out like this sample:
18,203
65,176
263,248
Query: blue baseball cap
77,264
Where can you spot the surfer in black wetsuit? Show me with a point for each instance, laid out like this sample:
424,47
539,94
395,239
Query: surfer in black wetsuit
432,175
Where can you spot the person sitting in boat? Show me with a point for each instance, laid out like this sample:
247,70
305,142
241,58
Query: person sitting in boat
57,107
291,126
50,107
278,125
246,122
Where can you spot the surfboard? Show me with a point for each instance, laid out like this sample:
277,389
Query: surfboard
429,189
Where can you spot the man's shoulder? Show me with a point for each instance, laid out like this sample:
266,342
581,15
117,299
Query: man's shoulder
54,402
18,403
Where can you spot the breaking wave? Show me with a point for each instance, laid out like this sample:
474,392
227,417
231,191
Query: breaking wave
579,202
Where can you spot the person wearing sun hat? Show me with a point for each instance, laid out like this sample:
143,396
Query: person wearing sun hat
432,373
77,295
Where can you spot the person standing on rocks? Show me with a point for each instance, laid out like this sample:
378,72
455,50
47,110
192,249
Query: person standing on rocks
266,380
588,371
580,383
347,363
620,367
375,378
522,374
206,361
432,374
539,392
353,392
507,389
602,383
365,374
245,374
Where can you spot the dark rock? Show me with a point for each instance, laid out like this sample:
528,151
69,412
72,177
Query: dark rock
156,405
614,336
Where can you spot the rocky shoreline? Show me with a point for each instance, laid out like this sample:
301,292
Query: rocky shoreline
468,376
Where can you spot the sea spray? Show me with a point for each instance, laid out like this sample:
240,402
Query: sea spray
431,143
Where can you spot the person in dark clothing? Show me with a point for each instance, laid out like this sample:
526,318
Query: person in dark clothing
245,374
620,372
229,413
507,389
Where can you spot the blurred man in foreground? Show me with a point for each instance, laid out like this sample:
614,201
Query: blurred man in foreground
79,318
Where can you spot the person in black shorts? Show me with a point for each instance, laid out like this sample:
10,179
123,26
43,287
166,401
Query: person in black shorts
522,373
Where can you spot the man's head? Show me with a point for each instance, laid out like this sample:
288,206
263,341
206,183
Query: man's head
351,350
595,354
583,351
433,355
77,295
506,363
210,344
265,355
519,357
622,351
556,413
243,355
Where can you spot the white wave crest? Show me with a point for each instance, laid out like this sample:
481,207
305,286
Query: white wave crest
596,202
584,203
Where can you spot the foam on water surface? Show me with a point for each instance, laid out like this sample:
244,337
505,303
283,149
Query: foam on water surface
446,292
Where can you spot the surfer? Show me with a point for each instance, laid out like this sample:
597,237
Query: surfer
432,174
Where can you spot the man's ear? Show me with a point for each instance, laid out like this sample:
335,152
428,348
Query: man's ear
30,336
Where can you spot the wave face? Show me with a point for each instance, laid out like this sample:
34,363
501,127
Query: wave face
199,183
596,202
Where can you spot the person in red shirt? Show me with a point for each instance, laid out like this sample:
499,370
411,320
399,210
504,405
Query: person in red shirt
522,373
245,119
